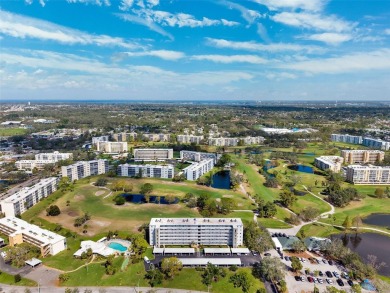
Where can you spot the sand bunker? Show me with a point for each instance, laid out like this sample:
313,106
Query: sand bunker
99,193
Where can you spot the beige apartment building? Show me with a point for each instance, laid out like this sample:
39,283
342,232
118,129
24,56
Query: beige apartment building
362,156
370,174
111,147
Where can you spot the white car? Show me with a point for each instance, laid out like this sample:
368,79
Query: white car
329,281
3,254
320,281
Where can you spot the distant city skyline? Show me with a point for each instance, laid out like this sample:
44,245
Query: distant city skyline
262,50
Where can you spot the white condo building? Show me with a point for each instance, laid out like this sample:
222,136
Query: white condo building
346,138
376,143
370,174
84,169
97,139
223,141
111,147
196,170
332,163
200,231
41,160
55,156
249,140
20,231
19,202
157,136
124,136
152,154
150,171
197,156
362,156
188,138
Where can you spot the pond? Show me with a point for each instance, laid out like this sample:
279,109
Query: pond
369,243
378,220
301,168
221,180
140,199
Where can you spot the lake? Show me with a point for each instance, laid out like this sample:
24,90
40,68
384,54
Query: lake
140,199
301,168
378,220
221,180
369,243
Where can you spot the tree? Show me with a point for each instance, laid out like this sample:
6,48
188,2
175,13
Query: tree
101,182
296,265
309,214
270,268
347,224
227,205
287,198
298,246
380,192
357,222
171,266
65,184
211,274
271,182
17,278
138,245
154,277
257,238
295,179
225,159
119,200
269,210
146,188
53,210
241,279
170,199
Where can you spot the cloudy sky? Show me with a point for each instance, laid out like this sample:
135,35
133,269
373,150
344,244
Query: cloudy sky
195,49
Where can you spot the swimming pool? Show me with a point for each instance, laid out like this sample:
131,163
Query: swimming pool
117,246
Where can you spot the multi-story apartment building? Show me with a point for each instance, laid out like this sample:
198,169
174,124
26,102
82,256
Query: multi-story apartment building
332,163
189,138
152,154
195,170
249,140
29,165
19,202
200,231
370,174
353,139
197,156
376,143
157,136
55,156
125,136
97,139
111,146
150,171
224,141
20,231
84,169
362,156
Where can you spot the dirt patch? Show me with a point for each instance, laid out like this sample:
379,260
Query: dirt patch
228,195
99,223
218,200
72,213
100,192
79,197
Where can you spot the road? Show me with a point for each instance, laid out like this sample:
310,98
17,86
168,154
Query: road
18,187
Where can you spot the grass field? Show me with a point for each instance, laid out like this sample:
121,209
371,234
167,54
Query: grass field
10,280
12,131
273,223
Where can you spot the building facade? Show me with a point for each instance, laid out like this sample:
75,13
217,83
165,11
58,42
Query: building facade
97,139
346,138
362,156
332,163
188,138
197,156
157,136
84,169
111,147
200,231
55,156
370,174
29,165
149,171
223,141
375,143
125,136
196,170
19,202
152,154
20,231
250,140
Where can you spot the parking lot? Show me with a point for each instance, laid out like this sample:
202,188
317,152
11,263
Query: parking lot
298,286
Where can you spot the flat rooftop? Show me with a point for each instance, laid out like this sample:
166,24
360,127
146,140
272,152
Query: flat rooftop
214,261
195,221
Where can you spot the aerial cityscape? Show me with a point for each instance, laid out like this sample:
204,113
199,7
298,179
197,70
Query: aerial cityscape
195,146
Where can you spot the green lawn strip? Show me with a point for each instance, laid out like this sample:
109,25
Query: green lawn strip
309,200
95,275
246,217
273,223
319,230
12,131
8,279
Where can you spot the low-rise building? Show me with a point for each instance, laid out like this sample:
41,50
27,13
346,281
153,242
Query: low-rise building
375,143
332,163
189,138
20,231
346,138
199,231
148,171
250,140
370,174
84,169
55,156
29,165
125,136
19,202
152,154
362,156
223,141
197,156
111,147
157,136
97,139
196,170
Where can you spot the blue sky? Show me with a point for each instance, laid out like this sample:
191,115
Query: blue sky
195,50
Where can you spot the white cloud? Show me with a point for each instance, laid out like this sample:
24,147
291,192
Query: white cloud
314,21
92,2
152,3
41,2
163,54
19,26
387,31
229,22
148,23
329,38
126,4
253,46
262,31
280,76
231,59
362,61
249,15
312,5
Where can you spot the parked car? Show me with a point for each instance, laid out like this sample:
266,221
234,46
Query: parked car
321,281
324,261
286,258
336,274
321,274
340,282
267,254
317,261
310,279
329,281
330,262
297,278
307,272
350,283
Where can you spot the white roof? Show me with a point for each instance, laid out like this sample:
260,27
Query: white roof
97,248
214,261
277,242
240,250
216,250
33,262
195,221
179,250
158,250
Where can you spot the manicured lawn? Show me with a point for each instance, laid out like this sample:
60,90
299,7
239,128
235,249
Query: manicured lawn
10,280
12,131
273,223
320,230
